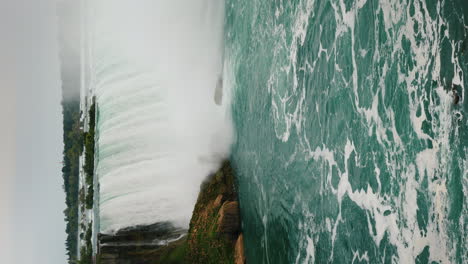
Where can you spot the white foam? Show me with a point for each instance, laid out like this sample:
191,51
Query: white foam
156,68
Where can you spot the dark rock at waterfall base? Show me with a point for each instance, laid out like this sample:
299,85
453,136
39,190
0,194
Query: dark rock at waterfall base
139,244
215,224
214,235
229,218
144,234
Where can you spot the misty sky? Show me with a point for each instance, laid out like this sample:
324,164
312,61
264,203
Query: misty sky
32,200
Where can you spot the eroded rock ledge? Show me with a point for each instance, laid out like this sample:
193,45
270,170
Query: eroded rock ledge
215,231
214,236
139,244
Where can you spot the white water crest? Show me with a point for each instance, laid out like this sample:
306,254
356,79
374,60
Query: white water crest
155,68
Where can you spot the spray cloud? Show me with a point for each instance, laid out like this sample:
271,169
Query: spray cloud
155,66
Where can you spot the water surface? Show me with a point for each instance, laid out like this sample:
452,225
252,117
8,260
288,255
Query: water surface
349,147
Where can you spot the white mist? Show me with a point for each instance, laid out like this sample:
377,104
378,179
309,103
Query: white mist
155,67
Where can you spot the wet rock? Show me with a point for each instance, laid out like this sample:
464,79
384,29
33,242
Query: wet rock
139,244
456,98
239,256
219,200
229,218
215,223
144,234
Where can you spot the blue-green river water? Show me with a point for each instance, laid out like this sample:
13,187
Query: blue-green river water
350,148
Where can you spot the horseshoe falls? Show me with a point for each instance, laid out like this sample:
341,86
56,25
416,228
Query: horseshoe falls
351,126
154,67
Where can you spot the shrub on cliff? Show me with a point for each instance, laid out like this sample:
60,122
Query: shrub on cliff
206,243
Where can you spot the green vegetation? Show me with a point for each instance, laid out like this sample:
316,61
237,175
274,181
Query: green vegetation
205,244
89,144
89,197
173,253
74,141
88,167
86,251
73,147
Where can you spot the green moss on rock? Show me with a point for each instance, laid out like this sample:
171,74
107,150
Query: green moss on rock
212,236
206,243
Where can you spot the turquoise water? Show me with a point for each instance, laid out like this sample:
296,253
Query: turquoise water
349,146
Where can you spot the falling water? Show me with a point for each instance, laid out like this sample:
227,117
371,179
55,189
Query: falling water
155,68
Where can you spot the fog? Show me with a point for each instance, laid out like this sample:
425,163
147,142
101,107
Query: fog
69,38
32,200
155,66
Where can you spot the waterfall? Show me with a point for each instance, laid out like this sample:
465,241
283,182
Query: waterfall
154,70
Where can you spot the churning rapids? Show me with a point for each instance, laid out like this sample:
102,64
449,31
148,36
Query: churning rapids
352,147
350,120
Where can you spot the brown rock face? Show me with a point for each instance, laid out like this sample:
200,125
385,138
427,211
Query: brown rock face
215,223
139,244
229,219
239,256
218,201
